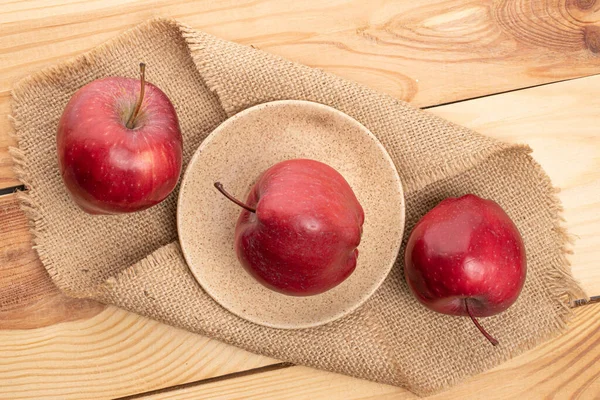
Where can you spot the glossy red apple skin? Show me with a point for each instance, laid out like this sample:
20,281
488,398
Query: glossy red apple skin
303,238
109,168
466,248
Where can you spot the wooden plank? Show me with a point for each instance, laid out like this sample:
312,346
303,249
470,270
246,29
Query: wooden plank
112,354
428,52
557,120
28,298
565,367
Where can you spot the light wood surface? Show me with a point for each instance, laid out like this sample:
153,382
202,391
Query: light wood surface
34,300
428,52
112,354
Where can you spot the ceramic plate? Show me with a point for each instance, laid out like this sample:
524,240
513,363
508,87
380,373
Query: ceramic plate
235,154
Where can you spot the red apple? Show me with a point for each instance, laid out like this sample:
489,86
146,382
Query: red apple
119,146
466,257
300,228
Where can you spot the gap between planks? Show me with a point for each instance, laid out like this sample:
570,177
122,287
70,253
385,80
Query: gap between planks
189,385
507,91
12,189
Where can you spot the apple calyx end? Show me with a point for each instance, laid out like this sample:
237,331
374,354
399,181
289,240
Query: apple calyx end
221,189
131,120
489,337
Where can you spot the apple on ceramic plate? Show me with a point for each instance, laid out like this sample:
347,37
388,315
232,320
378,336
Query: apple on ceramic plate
236,154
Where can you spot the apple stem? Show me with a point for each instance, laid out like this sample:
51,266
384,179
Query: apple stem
130,122
483,331
221,189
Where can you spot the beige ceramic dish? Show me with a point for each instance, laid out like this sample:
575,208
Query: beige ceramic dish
236,153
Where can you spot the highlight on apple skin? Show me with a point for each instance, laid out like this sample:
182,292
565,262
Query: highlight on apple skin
299,229
466,257
119,145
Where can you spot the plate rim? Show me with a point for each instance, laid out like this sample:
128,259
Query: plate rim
399,187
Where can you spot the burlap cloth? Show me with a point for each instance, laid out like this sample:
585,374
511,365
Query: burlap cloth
134,261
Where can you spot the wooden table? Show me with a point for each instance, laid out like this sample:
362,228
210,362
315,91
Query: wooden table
518,70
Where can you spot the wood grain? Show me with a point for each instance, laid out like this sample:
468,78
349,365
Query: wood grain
557,120
7,177
112,354
428,52
563,368
28,298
